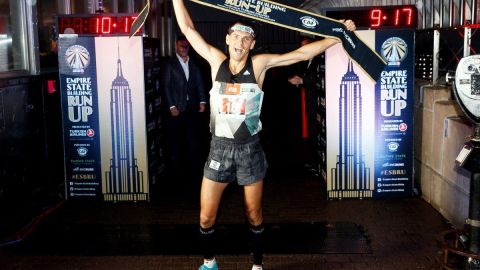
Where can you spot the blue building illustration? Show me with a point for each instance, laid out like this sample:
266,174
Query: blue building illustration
124,180
350,178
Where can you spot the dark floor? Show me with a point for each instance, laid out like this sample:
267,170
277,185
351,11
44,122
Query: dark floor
402,232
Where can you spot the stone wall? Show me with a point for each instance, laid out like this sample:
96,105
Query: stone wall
440,132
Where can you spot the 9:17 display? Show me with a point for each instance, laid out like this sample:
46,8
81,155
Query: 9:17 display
404,16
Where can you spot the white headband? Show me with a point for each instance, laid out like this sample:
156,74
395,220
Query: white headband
243,28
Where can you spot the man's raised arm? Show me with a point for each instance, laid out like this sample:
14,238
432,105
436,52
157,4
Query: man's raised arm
305,52
187,27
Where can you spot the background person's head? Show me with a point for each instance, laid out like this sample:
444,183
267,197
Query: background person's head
182,46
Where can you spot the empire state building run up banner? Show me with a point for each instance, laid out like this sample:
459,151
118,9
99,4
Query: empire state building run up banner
370,124
103,109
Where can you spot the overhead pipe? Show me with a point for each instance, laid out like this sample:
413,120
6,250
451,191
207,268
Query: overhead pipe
64,7
442,13
475,19
432,13
452,14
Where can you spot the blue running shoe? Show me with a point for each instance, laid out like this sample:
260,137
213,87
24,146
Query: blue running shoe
204,267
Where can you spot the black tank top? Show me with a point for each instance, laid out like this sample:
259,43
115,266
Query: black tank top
245,75
235,103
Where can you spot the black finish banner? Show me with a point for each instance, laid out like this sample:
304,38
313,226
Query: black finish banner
306,22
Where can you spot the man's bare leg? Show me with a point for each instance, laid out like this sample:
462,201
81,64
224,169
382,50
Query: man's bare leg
253,210
210,197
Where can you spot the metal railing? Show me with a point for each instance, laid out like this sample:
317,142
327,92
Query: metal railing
457,20
431,13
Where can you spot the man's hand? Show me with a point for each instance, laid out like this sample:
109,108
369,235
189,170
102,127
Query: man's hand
349,24
174,111
202,107
295,80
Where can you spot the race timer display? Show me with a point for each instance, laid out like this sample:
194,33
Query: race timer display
96,24
378,17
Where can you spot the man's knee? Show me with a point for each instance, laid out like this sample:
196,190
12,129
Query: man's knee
254,215
207,221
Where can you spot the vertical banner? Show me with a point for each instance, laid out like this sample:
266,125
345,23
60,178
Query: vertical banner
78,85
121,98
103,103
394,121
369,124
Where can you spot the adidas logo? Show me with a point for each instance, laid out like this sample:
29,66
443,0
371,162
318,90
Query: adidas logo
246,72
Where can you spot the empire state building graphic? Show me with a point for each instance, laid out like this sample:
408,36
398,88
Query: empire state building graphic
350,178
124,180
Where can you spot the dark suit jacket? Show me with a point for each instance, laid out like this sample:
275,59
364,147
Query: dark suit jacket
177,87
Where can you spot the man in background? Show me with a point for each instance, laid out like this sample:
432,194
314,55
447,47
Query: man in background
185,98
307,78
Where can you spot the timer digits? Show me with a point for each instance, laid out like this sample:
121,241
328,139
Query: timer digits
378,17
102,25
402,16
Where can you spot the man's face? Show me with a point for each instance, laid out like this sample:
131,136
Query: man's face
239,43
182,48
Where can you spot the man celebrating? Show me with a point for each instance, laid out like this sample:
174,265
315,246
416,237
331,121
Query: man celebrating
235,150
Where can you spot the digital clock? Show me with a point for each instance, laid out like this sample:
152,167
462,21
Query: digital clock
377,17
96,24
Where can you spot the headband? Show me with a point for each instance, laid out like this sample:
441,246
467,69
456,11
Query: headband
243,28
